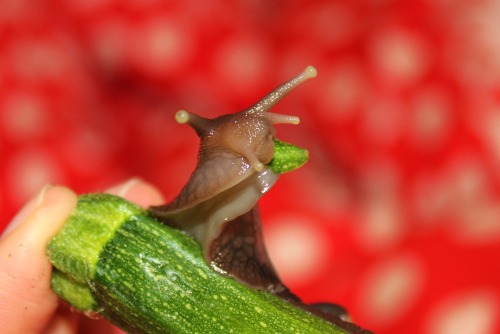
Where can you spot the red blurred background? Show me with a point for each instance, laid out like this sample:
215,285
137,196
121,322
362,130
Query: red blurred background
396,216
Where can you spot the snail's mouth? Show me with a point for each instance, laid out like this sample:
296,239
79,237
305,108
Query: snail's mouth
237,193
205,220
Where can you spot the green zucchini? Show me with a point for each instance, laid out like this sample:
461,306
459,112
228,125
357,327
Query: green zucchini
112,259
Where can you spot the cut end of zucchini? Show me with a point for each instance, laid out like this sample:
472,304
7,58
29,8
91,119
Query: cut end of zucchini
76,248
78,295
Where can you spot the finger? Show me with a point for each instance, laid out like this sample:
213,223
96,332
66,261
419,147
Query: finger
26,301
138,191
96,326
65,321
25,211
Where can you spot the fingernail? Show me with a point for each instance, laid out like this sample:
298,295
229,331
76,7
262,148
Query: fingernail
125,188
27,210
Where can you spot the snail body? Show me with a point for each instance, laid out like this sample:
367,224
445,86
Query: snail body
218,205
230,177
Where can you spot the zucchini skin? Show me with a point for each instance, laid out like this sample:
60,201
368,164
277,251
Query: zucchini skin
287,157
112,259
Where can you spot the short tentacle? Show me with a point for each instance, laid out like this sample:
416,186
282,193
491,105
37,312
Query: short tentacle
282,119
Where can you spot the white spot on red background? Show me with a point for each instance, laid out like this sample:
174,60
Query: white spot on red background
468,312
487,125
381,209
29,170
479,62
461,193
343,90
296,247
35,59
391,288
432,118
161,46
240,57
331,24
400,56
108,39
23,117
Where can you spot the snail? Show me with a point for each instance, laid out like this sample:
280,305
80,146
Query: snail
218,205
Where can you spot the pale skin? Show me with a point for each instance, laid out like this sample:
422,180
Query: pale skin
27,304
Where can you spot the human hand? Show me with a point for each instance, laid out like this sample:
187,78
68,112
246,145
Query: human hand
27,304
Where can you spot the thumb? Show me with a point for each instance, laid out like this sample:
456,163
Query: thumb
26,301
